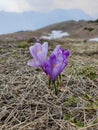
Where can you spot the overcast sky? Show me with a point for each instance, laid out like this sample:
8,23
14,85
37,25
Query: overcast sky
88,6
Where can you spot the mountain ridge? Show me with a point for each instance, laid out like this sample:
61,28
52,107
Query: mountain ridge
76,29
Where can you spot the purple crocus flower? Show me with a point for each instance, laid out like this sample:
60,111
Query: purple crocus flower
56,62
39,54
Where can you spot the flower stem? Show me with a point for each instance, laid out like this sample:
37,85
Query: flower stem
60,79
55,88
49,83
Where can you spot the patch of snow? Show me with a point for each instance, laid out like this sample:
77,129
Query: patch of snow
56,34
94,39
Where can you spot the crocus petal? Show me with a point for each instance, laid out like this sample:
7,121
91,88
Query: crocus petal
53,67
46,68
63,50
33,63
56,50
56,71
39,53
34,50
49,65
52,60
64,65
45,49
66,53
43,54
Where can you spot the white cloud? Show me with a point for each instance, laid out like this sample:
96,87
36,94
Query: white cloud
89,6
14,5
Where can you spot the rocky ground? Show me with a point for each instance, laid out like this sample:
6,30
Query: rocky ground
26,101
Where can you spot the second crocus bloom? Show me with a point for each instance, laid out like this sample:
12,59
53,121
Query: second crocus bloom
56,63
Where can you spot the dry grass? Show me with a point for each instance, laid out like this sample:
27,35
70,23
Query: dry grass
26,102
